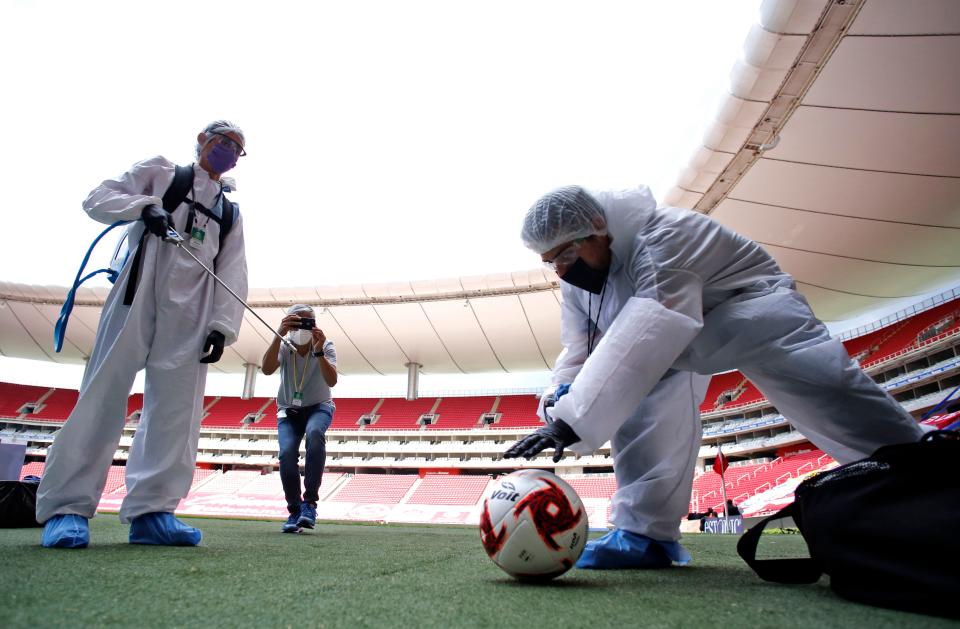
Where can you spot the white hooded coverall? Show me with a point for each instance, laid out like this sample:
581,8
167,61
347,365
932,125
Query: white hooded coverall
687,296
177,304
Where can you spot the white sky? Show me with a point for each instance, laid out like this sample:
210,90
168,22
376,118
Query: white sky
388,141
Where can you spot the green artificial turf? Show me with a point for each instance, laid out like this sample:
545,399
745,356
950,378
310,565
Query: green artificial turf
248,574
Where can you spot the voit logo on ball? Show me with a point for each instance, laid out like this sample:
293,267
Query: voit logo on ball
505,491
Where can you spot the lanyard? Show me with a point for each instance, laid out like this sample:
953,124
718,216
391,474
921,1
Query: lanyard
216,200
298,388
592,335
193,227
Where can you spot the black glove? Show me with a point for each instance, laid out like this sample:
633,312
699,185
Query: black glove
214,345
157,220
557,435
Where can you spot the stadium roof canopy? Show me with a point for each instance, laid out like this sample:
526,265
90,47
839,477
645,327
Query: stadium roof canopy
837,149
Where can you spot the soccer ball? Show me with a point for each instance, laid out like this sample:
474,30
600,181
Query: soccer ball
533,525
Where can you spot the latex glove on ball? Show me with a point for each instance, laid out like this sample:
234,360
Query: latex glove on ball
557,435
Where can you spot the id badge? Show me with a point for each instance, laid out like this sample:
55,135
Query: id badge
297,398
196,237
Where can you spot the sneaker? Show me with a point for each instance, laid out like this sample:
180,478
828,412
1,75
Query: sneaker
291,526
308,515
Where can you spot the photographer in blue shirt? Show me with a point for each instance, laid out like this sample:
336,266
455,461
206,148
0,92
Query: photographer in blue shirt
304,409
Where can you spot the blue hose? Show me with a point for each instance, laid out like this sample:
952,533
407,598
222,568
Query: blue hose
939,405
60,330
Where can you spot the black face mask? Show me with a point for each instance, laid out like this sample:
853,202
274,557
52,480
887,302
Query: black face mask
582,275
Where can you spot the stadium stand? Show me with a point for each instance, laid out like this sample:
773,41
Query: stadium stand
265,485
229,482
14,396
267,420
268,486
57,406
328,483
229,412
518,411
861,347
200,475
385,489
115,479
917,360
906,334
111,500
744,481
461,413
349,411
134,404
750,394
32,469
599,487
401,414
722,390
444,489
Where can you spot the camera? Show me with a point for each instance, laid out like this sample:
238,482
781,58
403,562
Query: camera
307,323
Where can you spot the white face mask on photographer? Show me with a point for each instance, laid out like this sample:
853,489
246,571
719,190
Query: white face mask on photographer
300,337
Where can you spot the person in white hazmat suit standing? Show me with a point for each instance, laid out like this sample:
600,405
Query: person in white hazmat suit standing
655,300
166,315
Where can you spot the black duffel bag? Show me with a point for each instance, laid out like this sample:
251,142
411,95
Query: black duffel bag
18,504
882,528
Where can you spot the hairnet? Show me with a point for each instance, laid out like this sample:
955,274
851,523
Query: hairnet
295,308
222,127
561,216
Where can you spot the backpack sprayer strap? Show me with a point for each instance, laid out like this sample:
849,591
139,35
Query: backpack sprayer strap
176,194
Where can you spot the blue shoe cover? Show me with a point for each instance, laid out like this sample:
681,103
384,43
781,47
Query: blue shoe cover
66,530
619,550
162,529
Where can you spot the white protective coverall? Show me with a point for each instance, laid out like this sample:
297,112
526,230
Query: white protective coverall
687,296
177,304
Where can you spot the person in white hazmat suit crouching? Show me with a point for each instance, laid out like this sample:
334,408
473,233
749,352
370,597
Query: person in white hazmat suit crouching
166,315
653,298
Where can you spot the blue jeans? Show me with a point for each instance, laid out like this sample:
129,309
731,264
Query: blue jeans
312,422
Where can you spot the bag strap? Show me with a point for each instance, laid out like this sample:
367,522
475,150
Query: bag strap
175,194
777,570
177,191
229,210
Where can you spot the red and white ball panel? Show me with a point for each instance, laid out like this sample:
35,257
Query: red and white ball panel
533,525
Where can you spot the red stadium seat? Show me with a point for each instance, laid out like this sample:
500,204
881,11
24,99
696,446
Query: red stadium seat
461,413
57,407
14,396
375,488
518,411
444,489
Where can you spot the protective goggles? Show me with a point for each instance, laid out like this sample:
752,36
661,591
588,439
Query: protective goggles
231,144
567,256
